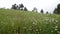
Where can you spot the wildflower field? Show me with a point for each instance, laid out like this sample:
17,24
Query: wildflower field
27,22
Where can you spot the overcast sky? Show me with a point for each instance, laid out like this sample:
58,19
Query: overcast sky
46,5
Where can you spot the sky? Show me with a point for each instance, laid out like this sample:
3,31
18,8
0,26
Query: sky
46,5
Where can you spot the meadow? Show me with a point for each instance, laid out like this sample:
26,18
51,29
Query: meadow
27,22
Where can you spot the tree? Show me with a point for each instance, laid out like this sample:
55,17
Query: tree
21,6
17,6
41,10
34,9
58,6
57,10
47,12
25,9
14,6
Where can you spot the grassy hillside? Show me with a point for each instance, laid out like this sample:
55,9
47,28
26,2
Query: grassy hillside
26,22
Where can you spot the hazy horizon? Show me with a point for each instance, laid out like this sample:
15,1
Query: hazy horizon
46,5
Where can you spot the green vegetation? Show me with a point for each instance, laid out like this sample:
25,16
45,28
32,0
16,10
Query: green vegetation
27,22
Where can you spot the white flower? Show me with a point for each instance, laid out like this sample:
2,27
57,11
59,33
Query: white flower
36,29
40,29
2,22
51,31
54,23
53,19
28,33
17,33
46,19
34,23
56,26
56,29
58,32
50,20
56,20
24,27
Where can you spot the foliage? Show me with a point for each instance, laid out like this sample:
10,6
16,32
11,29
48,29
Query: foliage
57,10
47,12
34,9
42,11
19,7
25,9
14,6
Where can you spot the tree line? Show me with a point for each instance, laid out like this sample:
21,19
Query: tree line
22,7
19,7
57,10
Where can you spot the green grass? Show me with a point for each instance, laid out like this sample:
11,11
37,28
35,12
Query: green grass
29,22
